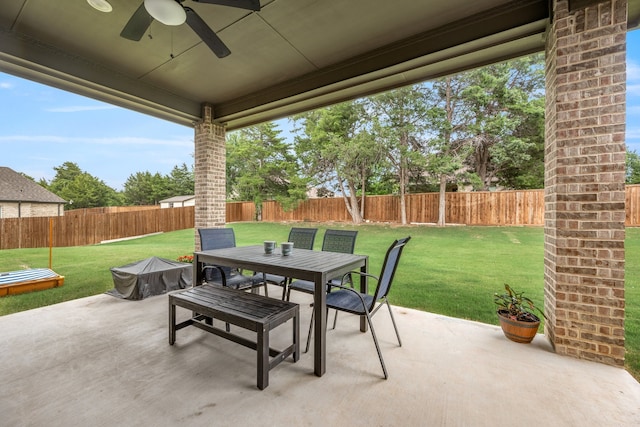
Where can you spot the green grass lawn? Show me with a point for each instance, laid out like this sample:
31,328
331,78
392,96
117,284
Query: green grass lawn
452,271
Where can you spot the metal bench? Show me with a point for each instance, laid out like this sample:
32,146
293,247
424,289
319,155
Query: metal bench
246,310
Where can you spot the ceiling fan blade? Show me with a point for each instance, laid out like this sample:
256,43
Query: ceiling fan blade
206,34
242,4
137,25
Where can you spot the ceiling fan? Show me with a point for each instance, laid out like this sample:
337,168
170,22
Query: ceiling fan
172,12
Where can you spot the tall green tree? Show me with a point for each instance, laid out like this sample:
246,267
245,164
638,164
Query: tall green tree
336,149
261,166
633,167
399,122
446,150
181,181
145,188
501,100
526,171
81,189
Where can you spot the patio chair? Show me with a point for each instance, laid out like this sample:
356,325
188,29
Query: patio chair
343,241
220,238
351,301
302,238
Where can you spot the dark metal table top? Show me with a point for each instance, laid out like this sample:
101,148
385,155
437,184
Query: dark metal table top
301,264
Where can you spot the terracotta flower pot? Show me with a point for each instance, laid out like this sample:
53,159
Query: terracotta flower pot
518,331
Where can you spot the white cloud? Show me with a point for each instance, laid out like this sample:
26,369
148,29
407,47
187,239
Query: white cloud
633,90
78,108
6,85
633,133
632,138
633,70
125,140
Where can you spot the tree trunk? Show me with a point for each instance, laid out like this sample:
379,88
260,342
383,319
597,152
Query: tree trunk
355,208
403,190
442,201
363,193
482,159
351,203
258,211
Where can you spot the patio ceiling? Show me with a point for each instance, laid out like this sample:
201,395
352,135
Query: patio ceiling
292,56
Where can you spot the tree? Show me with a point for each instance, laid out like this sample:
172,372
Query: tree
399,122
181,181
335,149
144,188
65,174
80,188
500,101
260,166
526,171
446,150
633,167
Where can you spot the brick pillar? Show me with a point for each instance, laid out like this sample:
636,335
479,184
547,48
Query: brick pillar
584,180
210,173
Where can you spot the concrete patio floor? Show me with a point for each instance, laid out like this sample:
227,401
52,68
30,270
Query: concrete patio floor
102,361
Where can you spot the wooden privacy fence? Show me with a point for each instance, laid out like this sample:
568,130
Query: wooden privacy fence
477,208
78,228
81,227
109,209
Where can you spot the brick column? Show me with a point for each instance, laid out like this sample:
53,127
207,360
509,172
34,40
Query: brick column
210,173
584,180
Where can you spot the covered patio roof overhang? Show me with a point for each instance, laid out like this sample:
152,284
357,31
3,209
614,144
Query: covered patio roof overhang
291,56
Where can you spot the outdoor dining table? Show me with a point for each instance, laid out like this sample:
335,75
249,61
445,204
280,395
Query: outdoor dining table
315,266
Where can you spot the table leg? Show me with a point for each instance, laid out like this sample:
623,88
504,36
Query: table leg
364,289
320,329
197,272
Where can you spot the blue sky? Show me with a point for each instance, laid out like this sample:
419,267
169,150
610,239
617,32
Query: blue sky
42,127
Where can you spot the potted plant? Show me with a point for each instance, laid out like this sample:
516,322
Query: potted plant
517,315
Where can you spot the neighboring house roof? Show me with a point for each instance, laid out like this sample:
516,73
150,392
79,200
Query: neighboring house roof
177,199
16,188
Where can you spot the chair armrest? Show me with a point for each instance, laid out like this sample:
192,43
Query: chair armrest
356,272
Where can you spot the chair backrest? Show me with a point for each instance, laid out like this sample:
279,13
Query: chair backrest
216,238
389,266
302,238
343,241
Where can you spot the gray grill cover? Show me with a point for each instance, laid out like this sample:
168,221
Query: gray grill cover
151,276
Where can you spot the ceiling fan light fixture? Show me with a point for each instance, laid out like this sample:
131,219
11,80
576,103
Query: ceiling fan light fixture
169,12
101,5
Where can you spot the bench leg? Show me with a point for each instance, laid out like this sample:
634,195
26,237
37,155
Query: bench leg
296,335
172,322
263,357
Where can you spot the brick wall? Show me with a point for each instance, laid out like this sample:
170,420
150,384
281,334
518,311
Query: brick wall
210,173
584,181
28,209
